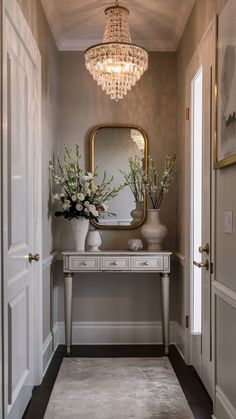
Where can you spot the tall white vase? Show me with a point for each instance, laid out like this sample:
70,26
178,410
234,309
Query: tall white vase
80,228
153,230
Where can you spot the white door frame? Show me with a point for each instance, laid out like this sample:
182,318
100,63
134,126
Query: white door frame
193,65
1,188
14,13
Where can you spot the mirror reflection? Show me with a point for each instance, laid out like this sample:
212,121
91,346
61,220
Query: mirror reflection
119,150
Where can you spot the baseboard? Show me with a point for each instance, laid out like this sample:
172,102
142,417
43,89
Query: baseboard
111,333
224,408
119,333
49,347
180,339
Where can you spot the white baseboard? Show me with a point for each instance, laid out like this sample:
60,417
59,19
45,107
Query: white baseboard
224,408
180,339
49,347
118,333
111,333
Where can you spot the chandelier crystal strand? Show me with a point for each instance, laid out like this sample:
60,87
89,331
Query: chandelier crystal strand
116,64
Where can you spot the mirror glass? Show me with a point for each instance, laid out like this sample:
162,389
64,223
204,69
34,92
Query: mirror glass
111,148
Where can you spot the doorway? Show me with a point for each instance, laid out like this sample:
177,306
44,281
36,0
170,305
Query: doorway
200,188
22,224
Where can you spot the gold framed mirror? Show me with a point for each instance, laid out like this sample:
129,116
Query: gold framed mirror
111,146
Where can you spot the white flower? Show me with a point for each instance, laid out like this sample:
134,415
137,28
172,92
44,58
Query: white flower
66,205
74,198
57,197
105,206
91,208
79,207
95,213
88,176
80,196
87,211
86,204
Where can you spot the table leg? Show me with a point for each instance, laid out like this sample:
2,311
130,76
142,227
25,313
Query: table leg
68,279
165,282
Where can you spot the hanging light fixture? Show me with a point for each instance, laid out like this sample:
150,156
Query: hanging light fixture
137,138
116,64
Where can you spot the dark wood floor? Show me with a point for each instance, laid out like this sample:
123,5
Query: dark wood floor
194,391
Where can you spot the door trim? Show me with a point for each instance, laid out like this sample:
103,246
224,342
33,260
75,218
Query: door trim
11,9
1,186
191,68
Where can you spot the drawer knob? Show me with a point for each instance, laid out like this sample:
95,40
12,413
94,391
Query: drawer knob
85,263
115,263
146,263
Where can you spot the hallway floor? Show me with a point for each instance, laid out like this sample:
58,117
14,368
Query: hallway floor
194,391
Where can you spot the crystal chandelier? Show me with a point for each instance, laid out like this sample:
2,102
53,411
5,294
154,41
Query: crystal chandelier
116,64
137,138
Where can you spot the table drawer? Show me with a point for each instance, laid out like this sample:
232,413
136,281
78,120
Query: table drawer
147,263
80,263
115,263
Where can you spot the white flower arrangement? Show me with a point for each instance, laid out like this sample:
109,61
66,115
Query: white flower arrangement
80,196
134,178
141,181
155,187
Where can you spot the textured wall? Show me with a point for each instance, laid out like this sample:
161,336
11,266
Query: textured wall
152,105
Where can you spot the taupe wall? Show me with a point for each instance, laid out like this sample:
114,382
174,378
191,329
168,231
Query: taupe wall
152,105
34,14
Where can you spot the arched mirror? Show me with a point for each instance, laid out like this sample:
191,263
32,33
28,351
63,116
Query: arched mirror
111,149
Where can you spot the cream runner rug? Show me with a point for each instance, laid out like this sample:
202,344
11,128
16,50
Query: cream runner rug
117,388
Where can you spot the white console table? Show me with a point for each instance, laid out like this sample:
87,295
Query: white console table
117,261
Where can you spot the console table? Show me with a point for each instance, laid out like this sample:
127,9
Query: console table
117,261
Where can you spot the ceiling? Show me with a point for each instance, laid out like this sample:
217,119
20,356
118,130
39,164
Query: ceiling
154,24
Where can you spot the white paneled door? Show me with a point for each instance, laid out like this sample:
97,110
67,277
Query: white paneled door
21,217
200,230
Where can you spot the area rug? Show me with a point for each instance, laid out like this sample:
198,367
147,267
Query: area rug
117,388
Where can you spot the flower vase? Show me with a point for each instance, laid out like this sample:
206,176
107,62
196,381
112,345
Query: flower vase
137,213
80,228
153,230
94,241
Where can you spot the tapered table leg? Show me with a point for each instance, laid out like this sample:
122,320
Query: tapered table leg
68,279
165,283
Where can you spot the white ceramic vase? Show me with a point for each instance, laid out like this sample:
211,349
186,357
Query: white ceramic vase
94,240
137,213
80,228
153,230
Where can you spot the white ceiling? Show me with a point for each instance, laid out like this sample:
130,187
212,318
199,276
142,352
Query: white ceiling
154,24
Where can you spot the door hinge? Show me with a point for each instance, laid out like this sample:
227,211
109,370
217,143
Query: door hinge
187,114
186,322
212,268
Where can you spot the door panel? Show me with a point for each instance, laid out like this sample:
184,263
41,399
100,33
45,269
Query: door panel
19,108
201,198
